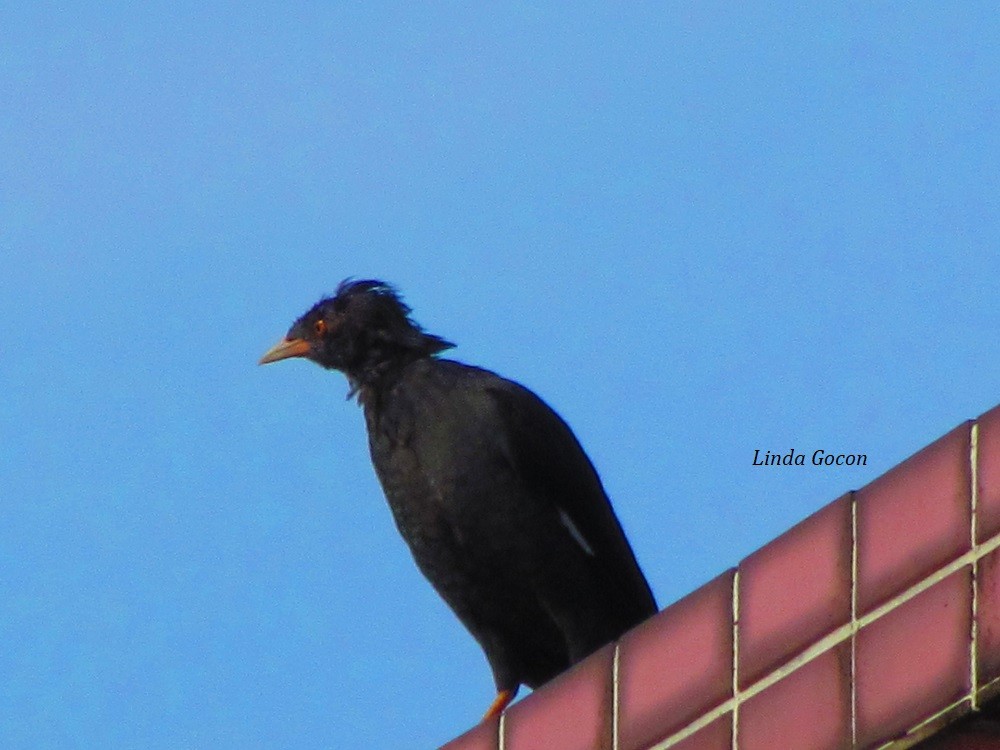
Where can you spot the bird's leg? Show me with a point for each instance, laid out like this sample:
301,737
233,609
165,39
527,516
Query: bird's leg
503,699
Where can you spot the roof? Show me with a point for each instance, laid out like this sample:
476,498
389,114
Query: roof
874,623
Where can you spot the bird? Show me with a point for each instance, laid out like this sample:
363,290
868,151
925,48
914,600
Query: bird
502,510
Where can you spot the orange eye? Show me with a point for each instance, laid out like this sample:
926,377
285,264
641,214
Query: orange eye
320,327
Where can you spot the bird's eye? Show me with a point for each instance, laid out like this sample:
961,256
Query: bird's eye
319,327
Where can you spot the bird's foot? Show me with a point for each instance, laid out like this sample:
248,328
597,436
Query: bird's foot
503,699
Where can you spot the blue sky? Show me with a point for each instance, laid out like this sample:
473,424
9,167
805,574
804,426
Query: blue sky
696,229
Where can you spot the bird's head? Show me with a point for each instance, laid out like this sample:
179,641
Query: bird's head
363,330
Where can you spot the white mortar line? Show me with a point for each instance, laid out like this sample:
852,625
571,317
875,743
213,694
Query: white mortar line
854,618
974,508
615,696
829,641
914,735
736,656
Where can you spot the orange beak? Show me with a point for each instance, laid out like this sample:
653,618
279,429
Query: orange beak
284,349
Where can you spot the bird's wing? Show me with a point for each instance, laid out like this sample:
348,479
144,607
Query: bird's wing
550,461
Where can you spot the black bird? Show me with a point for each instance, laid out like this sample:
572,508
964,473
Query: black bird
503,511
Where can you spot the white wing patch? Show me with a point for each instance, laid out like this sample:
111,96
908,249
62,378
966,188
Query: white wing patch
575,532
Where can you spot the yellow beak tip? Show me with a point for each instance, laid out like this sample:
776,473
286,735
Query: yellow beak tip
285,349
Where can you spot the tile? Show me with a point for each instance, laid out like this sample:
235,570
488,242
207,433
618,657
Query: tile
811,707
795,590
484,736
914,661
573,712
988,464
716,736
676,665
988,618
914,519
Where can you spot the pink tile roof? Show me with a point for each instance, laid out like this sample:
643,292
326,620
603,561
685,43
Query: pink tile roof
874,623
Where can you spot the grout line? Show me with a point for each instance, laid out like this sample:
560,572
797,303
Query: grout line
918,732
854,619
913,735
974,512
615,695
829,641
736,656
990,686
922,585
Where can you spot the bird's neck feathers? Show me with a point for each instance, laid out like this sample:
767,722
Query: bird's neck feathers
384,357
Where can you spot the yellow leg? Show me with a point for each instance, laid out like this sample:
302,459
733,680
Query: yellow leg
503,699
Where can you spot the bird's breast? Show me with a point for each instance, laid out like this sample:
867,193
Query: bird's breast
440,451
